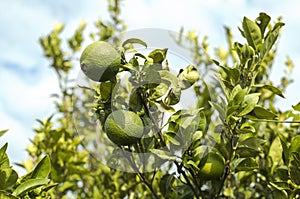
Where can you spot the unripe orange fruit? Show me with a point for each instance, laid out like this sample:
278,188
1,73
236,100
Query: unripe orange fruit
213,167
100,61
123,127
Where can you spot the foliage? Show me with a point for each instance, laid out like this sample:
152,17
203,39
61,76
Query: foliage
35,184
235,121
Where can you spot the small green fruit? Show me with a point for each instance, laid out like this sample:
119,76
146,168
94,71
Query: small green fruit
100,61
123,127
213,167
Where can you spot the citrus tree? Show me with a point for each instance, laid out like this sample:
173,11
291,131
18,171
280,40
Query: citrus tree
233,143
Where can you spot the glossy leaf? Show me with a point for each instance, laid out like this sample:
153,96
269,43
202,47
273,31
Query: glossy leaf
106,89
262,113
247,164
275,152
286,152
165,155
270,40
158,55
2,132
42,169
250,101
188,76
29,185
296,107
4,161
220,110
134,41
295,144
274,90
253,142
263,21
8,178
252,33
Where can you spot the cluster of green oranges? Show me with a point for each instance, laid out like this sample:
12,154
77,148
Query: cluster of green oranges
101,62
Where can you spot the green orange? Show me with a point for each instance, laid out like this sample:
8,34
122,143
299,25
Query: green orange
100,61
213,167
124,127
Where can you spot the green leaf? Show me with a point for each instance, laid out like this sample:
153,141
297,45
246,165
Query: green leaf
134,41
286,152
4,195
165,184
282,194
135,101
261,113
275,152
106,90
262,21
3,132
168,78
249,103
270,40
247,128
252,33
247,164
173,97
294,171
197,135
296,107
29,185
232,74
245,152
220,110
158,55
252,142
193,164
273,89
188,76
237,95
4,161
42,169
280,185
295,144
152,78
165,155
169,136
202,122
8,178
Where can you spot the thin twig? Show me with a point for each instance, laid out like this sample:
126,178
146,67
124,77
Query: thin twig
149,185
276,121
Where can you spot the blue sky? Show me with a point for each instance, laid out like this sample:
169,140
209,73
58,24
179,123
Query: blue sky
27,81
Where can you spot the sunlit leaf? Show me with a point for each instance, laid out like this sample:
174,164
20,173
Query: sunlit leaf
296,107
2,132
262,113
29,185
270,40
42,169
134,41
247,164
262,21
165,155
252,33
249,103
273,89
275,152
158,55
